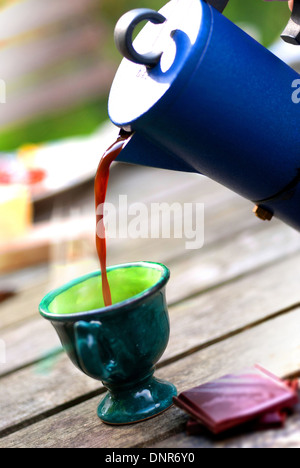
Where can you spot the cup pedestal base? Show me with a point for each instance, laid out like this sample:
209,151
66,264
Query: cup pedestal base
138,403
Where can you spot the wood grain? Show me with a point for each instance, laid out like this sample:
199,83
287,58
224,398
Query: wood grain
24,306
274,344
255,303
251,249
124,250
195,324
233,303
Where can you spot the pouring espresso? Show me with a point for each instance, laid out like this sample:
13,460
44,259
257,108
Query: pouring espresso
199,95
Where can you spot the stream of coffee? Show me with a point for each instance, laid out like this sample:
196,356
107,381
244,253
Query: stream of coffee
101,182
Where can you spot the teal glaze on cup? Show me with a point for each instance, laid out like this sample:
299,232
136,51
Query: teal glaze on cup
120,344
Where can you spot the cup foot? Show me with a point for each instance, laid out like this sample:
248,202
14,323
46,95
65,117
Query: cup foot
137,404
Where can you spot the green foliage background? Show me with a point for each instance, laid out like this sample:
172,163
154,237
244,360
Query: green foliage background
269,18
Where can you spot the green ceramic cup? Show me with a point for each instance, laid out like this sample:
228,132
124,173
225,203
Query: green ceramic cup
120,344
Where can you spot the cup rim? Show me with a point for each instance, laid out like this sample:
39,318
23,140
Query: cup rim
118,307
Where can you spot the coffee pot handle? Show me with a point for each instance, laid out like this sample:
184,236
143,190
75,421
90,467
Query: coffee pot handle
124,31
88,339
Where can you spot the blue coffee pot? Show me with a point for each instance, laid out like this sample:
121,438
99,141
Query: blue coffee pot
197,94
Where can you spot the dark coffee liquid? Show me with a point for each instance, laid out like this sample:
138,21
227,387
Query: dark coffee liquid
101,182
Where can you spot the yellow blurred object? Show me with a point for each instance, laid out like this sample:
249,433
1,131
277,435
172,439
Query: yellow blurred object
27,153
15,211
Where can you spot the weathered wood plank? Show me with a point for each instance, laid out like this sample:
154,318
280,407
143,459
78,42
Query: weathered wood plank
225,261
42,387
274,344
24,306
24,279
27,343
221,220
194,324
149,181
127,250
84,385
225,212
230,308
238,255
37,246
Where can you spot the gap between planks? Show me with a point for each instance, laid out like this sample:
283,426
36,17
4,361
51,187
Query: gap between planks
274,344
187,282
162,250
210,318
122,250
251,223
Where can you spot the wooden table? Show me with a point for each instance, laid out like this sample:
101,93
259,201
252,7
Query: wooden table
233,303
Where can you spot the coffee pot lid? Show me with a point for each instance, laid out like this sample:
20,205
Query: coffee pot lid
156,58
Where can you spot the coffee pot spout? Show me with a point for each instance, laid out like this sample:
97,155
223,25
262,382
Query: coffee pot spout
144,152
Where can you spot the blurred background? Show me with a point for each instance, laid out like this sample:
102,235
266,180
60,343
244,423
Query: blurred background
57,62
58,59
